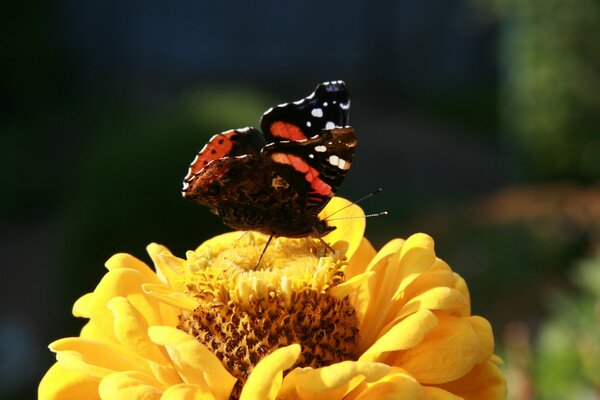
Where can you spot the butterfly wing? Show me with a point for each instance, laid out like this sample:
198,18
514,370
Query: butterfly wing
233,143
327,107
314,167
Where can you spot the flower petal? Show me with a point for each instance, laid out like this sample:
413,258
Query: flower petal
485,336
186,391
406,334
59,383
389,249
124,260
398,384
435,393
415,257
439,298
97,358
194,362
131,330
127,283
83,306
166,265
484,382
265,380
129,385
171,297
351,230
361,259
448,352
331,382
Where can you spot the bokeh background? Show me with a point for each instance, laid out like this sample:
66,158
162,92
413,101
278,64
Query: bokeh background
480,119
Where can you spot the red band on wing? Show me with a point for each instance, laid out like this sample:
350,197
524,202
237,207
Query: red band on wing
311,175
218,146
286,131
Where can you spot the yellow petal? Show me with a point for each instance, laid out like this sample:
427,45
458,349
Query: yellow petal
406,334
59,384
74,361
484,382
394,272
194,362
166,264
83,306
170,296
448,352
127,283
389,249
485,337
361,259
439,298
416,256
350,230
438,275
95,356
129,385
186,391
371,299
131,330
123,260
349,287
397,384
331,382
461,285
91,331
435,393
265,380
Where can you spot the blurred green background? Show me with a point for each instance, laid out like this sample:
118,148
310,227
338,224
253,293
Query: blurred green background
480,119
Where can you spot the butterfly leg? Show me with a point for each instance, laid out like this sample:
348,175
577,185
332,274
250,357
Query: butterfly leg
263,252
326,245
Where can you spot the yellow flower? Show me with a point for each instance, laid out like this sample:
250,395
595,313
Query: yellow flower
307,323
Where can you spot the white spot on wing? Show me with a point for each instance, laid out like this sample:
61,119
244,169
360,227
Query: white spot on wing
317,112
345,106
333,160
325,104
329,125
308,124
320,149
309,156
299,102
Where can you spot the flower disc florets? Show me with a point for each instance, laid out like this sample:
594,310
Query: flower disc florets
247,311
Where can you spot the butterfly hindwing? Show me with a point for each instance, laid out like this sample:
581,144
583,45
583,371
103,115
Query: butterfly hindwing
315,167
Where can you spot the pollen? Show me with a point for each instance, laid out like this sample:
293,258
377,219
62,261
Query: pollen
245,313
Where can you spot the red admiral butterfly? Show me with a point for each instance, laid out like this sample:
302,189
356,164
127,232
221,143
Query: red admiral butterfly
277,182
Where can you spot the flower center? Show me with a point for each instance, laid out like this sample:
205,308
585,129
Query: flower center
246,313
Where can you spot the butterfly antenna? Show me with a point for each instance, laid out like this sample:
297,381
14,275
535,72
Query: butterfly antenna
263,252
373,193
379,214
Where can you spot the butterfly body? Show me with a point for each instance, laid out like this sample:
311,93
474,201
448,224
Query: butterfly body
276,182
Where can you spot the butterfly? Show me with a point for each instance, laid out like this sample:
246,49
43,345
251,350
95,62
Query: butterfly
277,180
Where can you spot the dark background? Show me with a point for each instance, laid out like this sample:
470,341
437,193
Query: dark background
479,119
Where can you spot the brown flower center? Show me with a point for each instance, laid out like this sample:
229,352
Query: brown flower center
242,331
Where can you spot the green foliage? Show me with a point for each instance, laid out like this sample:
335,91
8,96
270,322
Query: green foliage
567,357
551,86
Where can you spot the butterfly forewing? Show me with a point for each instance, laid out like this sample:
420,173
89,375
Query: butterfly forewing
327,107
